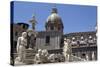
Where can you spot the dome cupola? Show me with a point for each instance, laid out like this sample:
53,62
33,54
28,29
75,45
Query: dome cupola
54,22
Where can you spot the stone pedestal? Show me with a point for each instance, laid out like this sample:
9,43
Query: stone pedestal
29,56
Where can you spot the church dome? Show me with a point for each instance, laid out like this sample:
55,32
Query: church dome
54,22
53,18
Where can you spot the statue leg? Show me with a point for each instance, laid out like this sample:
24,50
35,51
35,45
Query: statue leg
68,57
23,54
65,55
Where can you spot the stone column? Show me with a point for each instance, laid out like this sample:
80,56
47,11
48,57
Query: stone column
93,55
87,56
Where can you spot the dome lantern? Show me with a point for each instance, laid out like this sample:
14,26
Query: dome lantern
54,10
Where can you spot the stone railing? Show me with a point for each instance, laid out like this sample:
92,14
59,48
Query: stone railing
29,57
75,58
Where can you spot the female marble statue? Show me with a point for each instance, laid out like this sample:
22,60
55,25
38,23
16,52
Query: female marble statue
67,49
21,46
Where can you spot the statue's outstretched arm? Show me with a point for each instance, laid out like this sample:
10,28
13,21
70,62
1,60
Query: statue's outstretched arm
18,43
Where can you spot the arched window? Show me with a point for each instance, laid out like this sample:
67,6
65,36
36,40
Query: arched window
59,28
52,28
47,39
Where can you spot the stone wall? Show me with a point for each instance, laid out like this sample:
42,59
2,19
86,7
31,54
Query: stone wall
55,40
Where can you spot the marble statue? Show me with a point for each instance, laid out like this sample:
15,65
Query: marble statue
37,58
45,56
41,57
67,49
21,46
31,35
33,22
51,58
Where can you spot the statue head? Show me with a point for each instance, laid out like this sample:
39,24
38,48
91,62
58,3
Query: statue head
73,39
44,52
24,34
68,40
65,39
82,37
39,51
90,37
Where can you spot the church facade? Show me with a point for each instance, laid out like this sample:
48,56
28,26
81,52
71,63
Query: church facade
50,39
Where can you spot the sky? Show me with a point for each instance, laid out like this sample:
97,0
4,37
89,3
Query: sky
76,18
